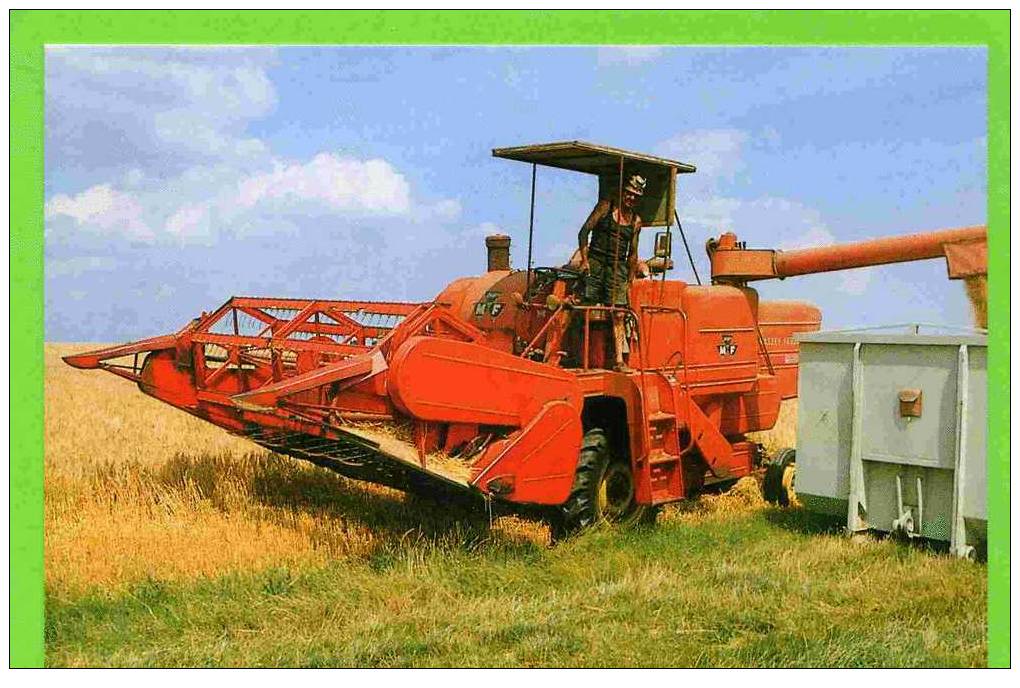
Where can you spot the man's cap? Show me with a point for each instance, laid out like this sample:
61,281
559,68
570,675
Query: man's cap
636,185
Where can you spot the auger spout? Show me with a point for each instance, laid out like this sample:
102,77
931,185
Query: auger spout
965,249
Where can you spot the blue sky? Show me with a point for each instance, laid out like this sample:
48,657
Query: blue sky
177,177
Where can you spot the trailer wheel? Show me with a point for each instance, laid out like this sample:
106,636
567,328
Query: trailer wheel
603,490
778,487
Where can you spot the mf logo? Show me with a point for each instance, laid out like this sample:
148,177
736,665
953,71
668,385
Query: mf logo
726,346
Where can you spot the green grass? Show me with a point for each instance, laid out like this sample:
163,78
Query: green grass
754,588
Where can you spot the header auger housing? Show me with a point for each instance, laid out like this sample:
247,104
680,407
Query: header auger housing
498,387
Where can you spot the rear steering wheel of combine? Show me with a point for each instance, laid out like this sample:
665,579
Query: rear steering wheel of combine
603,490
778,487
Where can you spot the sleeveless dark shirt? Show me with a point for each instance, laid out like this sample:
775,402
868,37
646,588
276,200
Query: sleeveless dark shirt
610,239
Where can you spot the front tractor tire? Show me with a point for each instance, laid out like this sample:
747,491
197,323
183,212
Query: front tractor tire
779,484
603,490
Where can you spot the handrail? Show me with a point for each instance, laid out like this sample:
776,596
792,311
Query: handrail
587,310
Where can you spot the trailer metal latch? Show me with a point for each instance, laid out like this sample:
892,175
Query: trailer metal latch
910,403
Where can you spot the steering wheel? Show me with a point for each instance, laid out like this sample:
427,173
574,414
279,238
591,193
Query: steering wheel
543,277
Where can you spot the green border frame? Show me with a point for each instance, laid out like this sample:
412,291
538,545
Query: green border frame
30,30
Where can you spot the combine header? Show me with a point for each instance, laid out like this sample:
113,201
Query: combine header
499,389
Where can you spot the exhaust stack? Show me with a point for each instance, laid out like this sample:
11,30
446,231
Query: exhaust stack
497,248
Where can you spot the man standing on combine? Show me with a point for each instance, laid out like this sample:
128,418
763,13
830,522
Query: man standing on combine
610,260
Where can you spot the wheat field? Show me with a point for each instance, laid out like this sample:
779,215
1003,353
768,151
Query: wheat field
136,489
169,542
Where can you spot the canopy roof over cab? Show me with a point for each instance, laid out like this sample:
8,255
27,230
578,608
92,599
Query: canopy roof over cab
658,204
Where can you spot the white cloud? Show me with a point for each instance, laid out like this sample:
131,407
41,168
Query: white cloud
190,222
160,135
101,209
559,253
446,210
76,265
158,108
855,282
484,229
234,83
713,212
191,131
134,177
340,183
205,203
628,55
814,237
165,291
717,153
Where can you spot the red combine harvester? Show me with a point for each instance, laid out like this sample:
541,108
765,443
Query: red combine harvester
499,388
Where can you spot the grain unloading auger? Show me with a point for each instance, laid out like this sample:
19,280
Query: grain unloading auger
498,388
